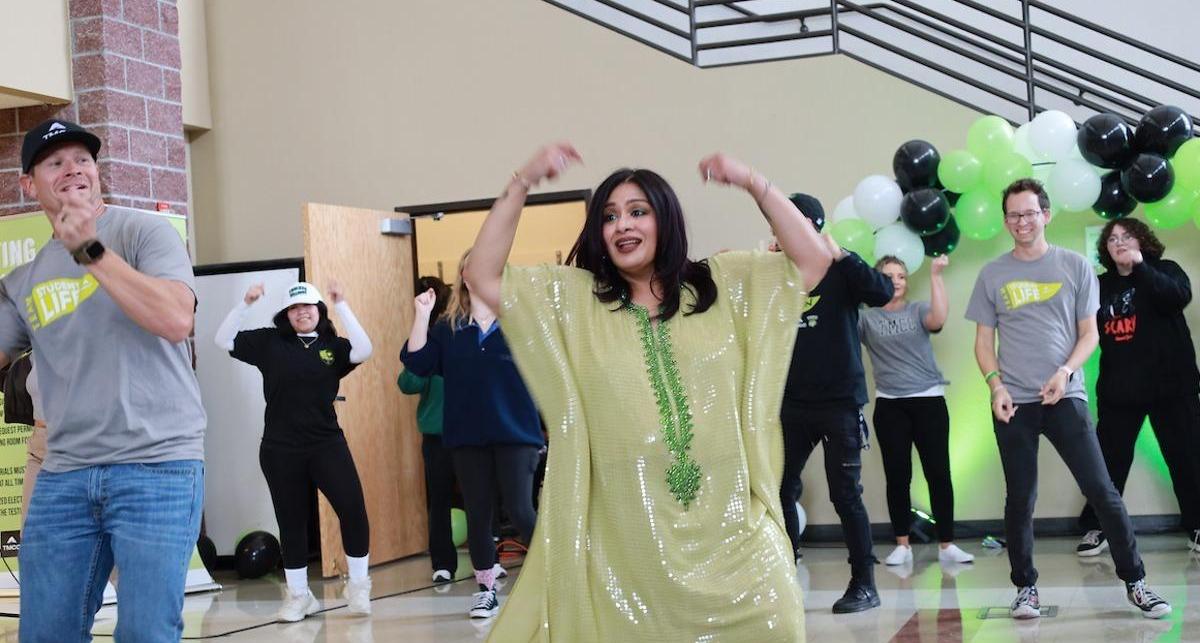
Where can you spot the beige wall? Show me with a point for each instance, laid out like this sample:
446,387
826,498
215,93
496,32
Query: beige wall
376,103
193,54
36,53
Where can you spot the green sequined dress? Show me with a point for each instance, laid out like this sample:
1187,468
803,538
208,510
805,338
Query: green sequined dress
660,516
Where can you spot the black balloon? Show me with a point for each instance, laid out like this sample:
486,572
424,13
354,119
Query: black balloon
257,553
944,242
915,164
1114,202
952,197
1106,140
1149,178
208,552
810,207
1162,130
925,211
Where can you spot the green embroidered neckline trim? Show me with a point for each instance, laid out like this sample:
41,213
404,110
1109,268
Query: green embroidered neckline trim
674,413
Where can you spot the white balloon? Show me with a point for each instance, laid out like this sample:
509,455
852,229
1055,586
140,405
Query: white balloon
900,242
877,200
1052,135
1021,143
844,210
1073,185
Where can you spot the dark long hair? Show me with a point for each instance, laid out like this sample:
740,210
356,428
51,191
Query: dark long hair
325,329
1149,244
673,271
441,294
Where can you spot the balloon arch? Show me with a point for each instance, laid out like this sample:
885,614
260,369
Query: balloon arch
1104,166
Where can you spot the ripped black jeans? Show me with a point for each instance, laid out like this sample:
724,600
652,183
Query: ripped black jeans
843,434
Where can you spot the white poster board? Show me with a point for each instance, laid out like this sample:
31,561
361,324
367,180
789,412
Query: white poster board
236,500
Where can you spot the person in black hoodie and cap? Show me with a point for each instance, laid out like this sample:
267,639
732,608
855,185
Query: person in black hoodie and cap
1147,368
822,403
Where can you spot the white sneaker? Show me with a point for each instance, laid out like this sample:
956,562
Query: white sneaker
1027,604
297,606
358,595
953,554
900,555
442,576
499,571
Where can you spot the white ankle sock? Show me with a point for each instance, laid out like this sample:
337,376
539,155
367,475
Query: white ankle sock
297,580
357,566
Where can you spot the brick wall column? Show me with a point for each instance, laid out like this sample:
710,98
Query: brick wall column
125,67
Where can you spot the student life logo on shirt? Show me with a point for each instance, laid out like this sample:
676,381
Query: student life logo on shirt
50,301
326,356
1022,293
809,321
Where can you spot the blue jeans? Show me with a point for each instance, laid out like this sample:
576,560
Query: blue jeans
144,518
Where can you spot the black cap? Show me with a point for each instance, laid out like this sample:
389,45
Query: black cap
54,132
810,207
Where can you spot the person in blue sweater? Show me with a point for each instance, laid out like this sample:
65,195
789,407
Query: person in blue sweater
490,423
439,466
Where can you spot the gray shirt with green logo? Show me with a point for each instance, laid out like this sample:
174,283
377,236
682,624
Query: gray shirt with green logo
113,393
1036,307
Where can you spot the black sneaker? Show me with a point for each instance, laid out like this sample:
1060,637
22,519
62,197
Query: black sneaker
858,597
1027,604
485,605
1151,604
1093,543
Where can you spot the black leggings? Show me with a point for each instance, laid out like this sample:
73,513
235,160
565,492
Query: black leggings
924,422
291,476
479,469
439,491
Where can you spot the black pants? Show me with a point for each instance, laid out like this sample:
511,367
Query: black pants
843,433
924,422
479,469
439,489
1176,424
1068,429
291,476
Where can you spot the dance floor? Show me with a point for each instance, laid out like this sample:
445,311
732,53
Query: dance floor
922,602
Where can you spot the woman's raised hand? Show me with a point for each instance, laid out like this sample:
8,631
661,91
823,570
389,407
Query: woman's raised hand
726,170
253,294
547,163
424,303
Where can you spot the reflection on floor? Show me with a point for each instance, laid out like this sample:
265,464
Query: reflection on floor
922,601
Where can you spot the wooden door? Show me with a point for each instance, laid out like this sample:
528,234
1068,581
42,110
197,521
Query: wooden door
376,271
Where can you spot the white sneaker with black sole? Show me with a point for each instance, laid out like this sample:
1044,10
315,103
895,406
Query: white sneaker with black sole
1027,605
1141,597
1093,543
297,606
442,576
486,605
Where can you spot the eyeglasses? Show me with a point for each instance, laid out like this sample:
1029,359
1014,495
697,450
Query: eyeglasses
1125,238
1013,217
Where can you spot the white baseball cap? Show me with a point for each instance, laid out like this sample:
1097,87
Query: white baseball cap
301,292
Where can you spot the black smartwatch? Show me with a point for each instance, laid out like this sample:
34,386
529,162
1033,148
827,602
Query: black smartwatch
89,252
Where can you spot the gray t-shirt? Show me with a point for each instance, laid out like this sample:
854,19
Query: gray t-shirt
1036,307
901,354
112,392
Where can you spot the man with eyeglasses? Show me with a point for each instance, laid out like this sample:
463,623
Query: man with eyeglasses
1043,300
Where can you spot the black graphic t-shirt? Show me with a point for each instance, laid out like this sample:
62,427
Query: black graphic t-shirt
300,383
1146,349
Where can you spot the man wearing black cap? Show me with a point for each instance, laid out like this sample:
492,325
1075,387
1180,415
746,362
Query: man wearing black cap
107,305
826,390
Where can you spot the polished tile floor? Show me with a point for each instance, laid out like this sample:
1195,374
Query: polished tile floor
922,602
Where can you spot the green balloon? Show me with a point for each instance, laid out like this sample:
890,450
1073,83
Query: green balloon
960,171
990,136
1001,170
1186,164
458,526
1172,210
855,235
979,214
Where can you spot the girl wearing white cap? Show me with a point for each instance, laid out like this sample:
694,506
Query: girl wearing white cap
302,360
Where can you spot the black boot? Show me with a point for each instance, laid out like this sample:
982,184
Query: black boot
860,595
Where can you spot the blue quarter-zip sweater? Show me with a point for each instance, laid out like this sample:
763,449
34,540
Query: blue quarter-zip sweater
486,401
